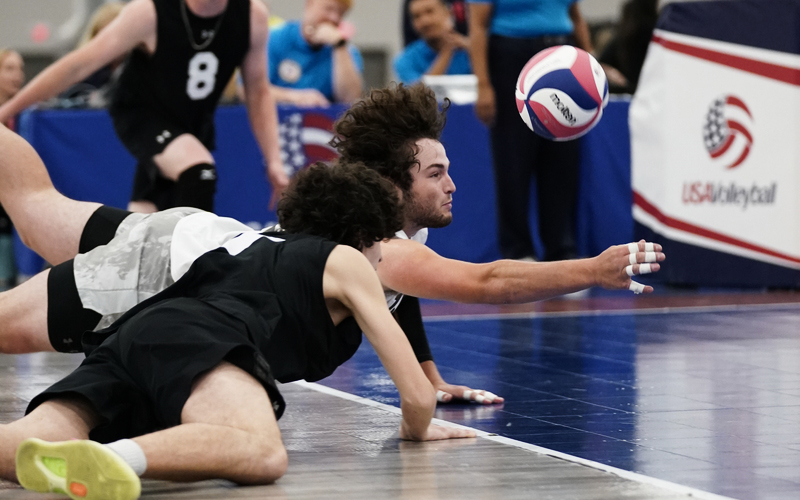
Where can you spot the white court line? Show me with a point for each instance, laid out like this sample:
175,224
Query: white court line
613,312
632,476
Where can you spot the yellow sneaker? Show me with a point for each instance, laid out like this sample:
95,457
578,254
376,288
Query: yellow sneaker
84,470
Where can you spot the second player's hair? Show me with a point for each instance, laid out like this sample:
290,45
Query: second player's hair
381,129
347,203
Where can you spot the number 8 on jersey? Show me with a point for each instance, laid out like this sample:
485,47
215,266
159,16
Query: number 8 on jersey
202,75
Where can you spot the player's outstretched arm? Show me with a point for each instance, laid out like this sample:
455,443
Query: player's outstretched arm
350,279
412,268
260,101
135,25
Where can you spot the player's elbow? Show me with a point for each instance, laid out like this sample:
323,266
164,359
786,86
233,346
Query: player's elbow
264,467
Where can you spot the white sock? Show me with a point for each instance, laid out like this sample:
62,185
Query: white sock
132,453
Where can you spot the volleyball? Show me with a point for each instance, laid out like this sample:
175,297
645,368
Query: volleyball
561,93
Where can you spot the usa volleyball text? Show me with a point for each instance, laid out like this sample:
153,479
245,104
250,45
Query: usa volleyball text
731,194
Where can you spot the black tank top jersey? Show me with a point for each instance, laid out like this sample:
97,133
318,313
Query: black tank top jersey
274,287
177,80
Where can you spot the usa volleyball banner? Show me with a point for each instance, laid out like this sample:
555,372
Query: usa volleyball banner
714,143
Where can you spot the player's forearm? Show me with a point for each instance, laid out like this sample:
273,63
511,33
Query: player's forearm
442,62
347,84
513,282
263,116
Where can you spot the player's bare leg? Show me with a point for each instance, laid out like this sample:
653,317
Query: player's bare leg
48,222
57,420
228,431
23,317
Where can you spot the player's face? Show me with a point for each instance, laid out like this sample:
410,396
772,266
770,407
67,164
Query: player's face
323,11
430,201
430,18
11,75
373,254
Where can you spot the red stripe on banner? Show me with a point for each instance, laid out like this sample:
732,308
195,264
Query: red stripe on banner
734,125
774,71
716,153
320,153
641,202
315,120
741,157
735,101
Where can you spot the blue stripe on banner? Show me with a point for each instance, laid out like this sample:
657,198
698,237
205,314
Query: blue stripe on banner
565,81
766,24
697,266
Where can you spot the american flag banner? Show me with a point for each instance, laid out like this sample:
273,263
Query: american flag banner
304,138
714,150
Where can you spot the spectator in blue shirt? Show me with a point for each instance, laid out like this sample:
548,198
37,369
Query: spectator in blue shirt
504,35
441,50
311,62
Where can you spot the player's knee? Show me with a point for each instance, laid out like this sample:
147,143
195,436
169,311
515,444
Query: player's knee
12,341
196,187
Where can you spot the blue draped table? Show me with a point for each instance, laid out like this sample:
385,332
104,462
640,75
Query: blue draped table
87,162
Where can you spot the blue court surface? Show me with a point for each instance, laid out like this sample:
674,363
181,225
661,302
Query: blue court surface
700,389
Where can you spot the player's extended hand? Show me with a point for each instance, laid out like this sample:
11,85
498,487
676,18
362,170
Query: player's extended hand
438,432
447,393
619,263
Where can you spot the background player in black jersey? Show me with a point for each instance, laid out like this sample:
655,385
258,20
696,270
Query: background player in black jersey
183,386
182,55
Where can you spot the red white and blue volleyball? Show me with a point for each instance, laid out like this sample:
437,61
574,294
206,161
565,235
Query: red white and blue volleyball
561,93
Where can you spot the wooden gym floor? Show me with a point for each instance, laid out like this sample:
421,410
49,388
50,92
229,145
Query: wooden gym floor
609,396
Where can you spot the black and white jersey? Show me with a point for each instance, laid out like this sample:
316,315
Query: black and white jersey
194,60
272,285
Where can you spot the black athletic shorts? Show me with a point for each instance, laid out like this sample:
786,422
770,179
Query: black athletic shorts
139,378
66,317
146,133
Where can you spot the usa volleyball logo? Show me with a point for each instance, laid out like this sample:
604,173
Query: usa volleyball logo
304,140
726,133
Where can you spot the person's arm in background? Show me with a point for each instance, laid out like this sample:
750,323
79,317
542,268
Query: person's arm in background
307,98
480,17
347,67
451,43
260,102
580,28
347,64
135,26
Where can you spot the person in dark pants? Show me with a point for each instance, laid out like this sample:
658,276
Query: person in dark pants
504,35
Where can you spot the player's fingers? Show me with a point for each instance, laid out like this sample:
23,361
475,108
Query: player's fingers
643,246
636,288
458,432
635,269
638,257
443,397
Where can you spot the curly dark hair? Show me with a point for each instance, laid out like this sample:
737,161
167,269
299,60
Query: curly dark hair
346,202
381,129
